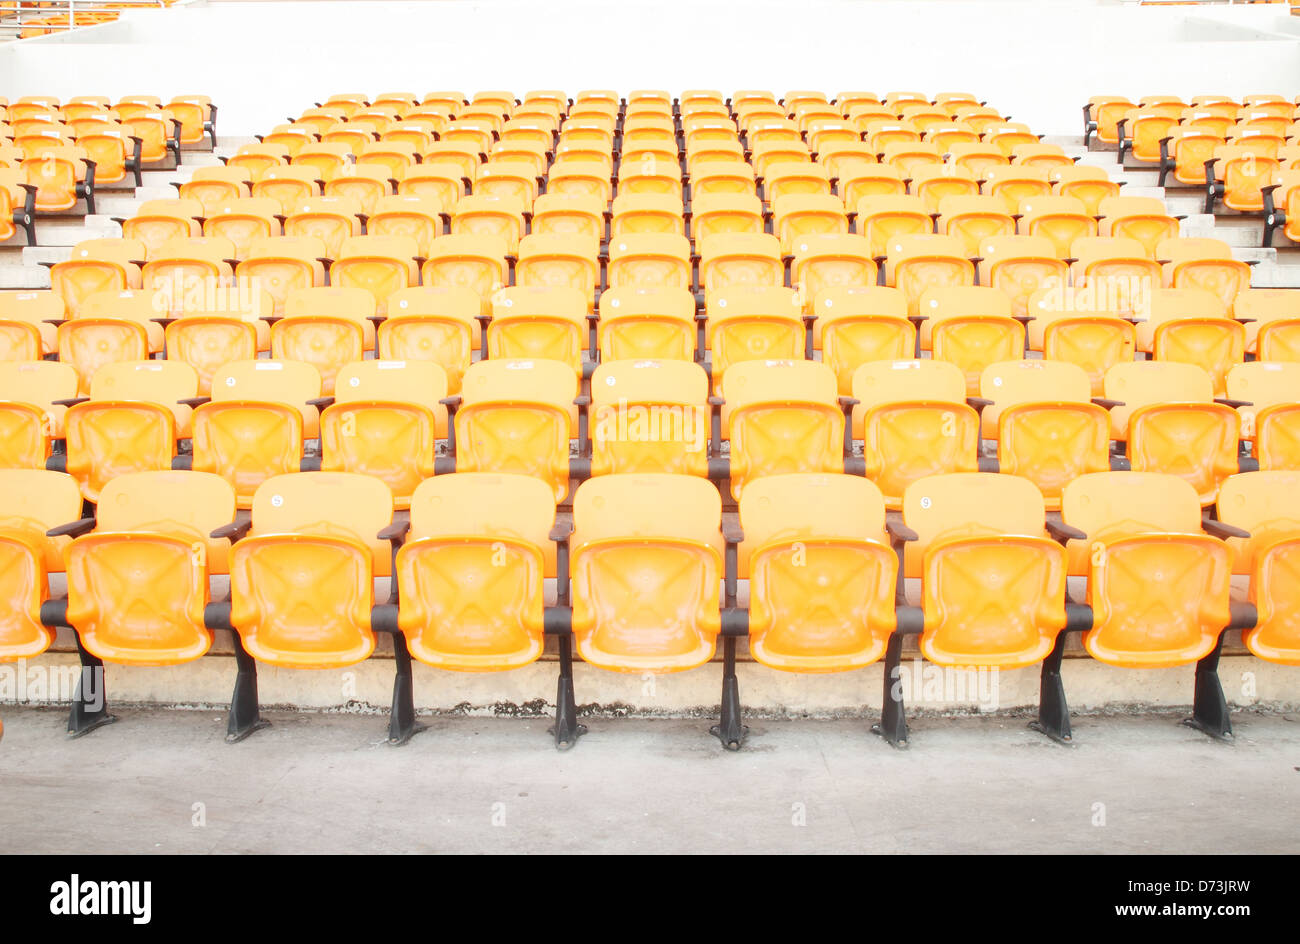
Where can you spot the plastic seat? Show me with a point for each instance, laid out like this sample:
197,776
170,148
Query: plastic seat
32,501
646,560
974,219
256,422
326,327
646,323
215,185
781,416
1269,392
933,183
1019,266
215,327
1172,423
649,416
1047,429
280,264
302,580
860,181
329,219
979,159
158,222
540,322
559,262
825,261
1271,332
1264,504
130,423
326,158
914,421
384,422
1142,218
487,216
243,221
367,183
518,416
797,216
725,213
736,259
1080,334
97,265
25,332
432,323
915,264
288,185
470,573
138,582
1117,262
1060,219
467,261
1205,264
752,322
30,416
378,264
652,260
61,177
1192,326
563,215
1086,183
1157,584
1186,153
992,582
857,325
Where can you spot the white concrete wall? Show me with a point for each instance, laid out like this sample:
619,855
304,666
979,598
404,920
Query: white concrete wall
1038,61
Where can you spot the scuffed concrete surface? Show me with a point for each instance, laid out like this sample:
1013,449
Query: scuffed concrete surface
316,782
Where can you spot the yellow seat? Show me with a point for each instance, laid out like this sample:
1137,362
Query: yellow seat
1066,327
255,424
1172,424
1264,504
781,416
1270,412
215,329
1060,219
884,218
302,581
25,332
735,259
856,325
470,574
916,264
974,219
1046,426
138,583
518,416
647,563
1084,182
1206,264
971,327
213,185
1019,266
568,262
650,260
477,263
539,322
97,265
385,421
30,417
992,582
1142,218
821,572
646,322
32,501
432,323
1157,584
157,222
649,416
1271,331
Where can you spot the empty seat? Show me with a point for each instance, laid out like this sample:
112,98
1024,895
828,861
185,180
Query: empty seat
1142,218
649,416
97,265
1019,266
974,219
31,417
752,322
915,264
882,219
856,325
540,322
797,216
157,222
327,327
432,323
25,331
1205,264
243,221
1269,394
1272,319
1094,338
214,185
646,322
824,261
380,264
477,263
1060,219
650,260
1085,183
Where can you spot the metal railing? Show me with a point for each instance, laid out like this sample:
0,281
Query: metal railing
56,16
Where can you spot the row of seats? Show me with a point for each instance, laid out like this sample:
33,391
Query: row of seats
647,577
1245,156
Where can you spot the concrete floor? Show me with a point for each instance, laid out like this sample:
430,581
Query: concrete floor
328,783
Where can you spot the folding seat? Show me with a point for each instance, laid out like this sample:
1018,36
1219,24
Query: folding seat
705,129
847,100
824,261
733,259
1272,317
157,222
1142,218
1185,154
516,151
915,264
516,182
1214,122
970,326
1141,131
34,139
257,159
432,323
1205,264
1062,220
288,185
882,219
355,137
97,265
485,216
727,152
61,177
546,322
32,502
243,221
649,416
1008,136
559,262
197,117
580,178
365,183
396,155
797,216
914,421
838,157
766,156
280,264
881,132
1047,428
159,132
302,582
1020,266
380,264
646,322
1265,142
944,135
802,178
637,213
213,185
979,159
328,219
410,217
293,137
781,416
992,581
518,416
826,136
722,177
644,172
1240,174
384,421
326,327
112,149
451,102
932,183
1158,584
445,182
1172,424
1088,184
909,156
752,322
589,131
974,219
179,265
476,262
855,325
1193,326
569,216
130,423
26,331
375,121
31,417
1268,394
1114,262
1048,156
650,260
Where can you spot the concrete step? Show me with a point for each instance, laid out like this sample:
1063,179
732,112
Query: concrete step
35,255
24,277
70,230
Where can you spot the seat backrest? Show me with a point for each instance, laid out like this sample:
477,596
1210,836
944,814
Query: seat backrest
327,504
183,504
